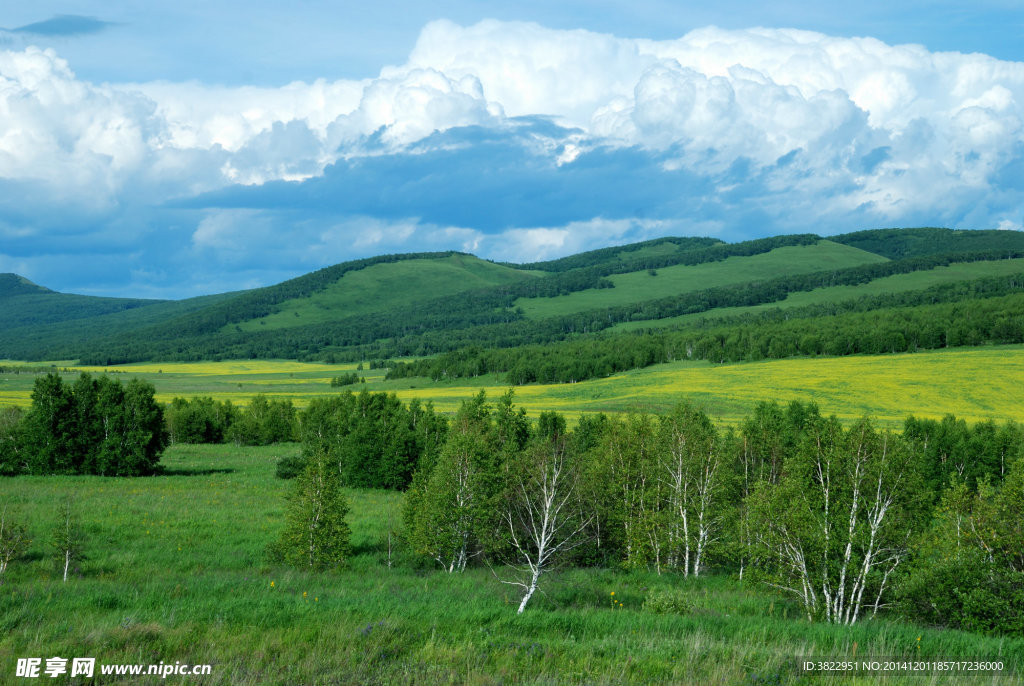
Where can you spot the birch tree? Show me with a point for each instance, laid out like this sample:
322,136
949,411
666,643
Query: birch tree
66,539
836,526
452,508
316,534
14,541
543,515
630,501
443,527
763,445
691,471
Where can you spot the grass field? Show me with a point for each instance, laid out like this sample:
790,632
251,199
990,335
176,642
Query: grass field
397,284
176,571
899,283
973,383
639,286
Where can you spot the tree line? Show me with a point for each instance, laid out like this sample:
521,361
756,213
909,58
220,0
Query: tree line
849,521
952,315
97,425
203,420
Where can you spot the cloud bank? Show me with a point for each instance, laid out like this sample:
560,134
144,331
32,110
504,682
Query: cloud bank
510,140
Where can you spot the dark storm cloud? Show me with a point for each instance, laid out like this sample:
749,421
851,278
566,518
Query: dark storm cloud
65,25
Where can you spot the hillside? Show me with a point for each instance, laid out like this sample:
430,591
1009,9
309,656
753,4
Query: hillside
638,286
27,304
12,285
428,303
898,283
387,286
900,243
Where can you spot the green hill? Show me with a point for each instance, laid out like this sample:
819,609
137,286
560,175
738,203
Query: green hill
900,243
26,304
634,287
427,303
624,254
387,286
898,283
12,285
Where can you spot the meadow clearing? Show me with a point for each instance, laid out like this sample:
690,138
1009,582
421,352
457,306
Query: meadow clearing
634,287
898,283
975,384
175,570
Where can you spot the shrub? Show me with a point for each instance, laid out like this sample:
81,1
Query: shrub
670,602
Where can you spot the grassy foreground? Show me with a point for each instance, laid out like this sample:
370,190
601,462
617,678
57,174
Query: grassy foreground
176,572
975,384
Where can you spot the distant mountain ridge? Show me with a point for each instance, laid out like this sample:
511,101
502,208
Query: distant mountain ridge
425,303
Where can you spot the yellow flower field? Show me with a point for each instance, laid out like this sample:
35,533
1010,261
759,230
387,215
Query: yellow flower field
974,383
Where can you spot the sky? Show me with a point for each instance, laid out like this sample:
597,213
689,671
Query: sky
169,150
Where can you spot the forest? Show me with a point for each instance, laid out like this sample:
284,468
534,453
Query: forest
989,311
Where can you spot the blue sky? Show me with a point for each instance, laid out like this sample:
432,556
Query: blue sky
176,149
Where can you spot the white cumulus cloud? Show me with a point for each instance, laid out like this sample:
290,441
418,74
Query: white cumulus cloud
816,129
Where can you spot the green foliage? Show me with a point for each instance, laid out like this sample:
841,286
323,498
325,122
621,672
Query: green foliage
290,467
964,591
375,440
624,256
346,379
264,422
969,453
14,541
512,429
662,489
668,602
96,426
968,570
200,420
901,243
316,535
550,426
450,511
12,446
621,485
835,526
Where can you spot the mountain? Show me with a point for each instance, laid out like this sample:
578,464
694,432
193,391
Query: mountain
428,303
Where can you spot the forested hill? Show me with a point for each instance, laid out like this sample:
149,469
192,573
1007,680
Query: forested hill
455,304
12,285
900,243
27,304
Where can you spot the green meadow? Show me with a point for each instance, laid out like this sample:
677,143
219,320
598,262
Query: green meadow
635,287
176,571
